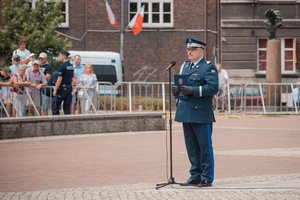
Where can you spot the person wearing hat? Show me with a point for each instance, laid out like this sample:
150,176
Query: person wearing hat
46,68
31,58
62,91
195,111
14,68
37,79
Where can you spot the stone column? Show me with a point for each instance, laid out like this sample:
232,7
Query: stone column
273,74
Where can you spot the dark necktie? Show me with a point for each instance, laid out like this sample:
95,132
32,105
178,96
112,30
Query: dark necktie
191,67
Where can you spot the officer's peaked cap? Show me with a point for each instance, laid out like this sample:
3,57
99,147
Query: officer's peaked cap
192,43
63,52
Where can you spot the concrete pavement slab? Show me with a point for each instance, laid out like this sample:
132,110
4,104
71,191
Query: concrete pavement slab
255,157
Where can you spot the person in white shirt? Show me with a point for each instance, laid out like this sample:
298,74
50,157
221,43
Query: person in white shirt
22,52
296,94
222,93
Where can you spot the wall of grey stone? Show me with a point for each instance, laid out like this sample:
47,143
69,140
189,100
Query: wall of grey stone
11,128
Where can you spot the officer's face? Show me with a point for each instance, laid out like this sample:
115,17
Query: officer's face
194,54
62,57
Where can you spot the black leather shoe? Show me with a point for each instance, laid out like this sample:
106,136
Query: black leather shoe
206,183
191,182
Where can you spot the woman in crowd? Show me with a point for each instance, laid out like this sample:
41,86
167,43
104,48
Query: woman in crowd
87,82
18,91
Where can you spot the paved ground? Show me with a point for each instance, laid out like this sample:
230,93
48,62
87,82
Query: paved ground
256,158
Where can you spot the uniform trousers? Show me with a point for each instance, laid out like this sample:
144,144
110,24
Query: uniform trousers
64,94
198,141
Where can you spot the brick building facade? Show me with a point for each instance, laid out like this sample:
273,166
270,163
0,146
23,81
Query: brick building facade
244,38
146,55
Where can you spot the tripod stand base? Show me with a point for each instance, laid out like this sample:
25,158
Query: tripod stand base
171,181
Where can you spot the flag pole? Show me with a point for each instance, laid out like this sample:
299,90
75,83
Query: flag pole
122,31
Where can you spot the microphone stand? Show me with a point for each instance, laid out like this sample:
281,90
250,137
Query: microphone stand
171,179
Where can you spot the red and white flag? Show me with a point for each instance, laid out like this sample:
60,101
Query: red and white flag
111,17
136,24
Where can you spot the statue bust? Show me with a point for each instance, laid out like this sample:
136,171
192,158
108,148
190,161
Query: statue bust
274,21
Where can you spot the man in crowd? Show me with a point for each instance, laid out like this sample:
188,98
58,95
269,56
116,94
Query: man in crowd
222,93
47,70
196,113
37,79
5,94
62,91
78,71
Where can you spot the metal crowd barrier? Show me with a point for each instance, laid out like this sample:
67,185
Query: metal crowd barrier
258,98
140,96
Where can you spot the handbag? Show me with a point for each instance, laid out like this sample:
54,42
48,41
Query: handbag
80,93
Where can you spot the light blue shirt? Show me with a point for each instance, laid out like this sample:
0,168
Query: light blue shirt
78,71
14,69
296,95
88,81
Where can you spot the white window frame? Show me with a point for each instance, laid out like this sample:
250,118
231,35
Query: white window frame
282,51
64,24
161,24
260,49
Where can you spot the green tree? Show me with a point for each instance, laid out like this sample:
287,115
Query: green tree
37,26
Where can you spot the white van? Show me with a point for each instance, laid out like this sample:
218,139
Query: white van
106,65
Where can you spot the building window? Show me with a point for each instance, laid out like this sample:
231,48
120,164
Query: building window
157,13
288,46
64,11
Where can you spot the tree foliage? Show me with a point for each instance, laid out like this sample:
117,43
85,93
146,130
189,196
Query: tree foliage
37,26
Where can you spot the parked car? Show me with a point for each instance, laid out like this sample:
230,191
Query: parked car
249,96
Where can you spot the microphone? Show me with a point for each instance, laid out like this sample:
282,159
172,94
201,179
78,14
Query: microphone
172,63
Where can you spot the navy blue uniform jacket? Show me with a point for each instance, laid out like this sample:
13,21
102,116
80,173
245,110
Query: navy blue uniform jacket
197,108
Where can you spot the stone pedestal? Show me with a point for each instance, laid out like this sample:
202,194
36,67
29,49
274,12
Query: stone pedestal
273,75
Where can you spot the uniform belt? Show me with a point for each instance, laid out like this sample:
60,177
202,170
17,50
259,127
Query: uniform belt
65,85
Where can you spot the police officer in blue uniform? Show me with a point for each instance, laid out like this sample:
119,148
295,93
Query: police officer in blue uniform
62,91
196,112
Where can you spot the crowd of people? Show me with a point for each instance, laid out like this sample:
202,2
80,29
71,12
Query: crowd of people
30,86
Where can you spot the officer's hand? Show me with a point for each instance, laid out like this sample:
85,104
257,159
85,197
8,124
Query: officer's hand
54,92
175,90
186,90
